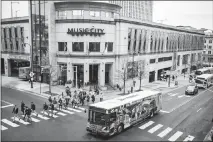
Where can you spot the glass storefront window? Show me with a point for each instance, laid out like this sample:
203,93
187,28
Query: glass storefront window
109,46
78,46
62,46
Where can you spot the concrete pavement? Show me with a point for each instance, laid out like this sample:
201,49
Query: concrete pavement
43,88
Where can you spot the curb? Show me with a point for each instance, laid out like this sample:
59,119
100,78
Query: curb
208,136
30,92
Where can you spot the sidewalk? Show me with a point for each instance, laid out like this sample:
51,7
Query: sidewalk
42,88
209,135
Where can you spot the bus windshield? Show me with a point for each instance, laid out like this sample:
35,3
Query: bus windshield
198,73
97,117
200,80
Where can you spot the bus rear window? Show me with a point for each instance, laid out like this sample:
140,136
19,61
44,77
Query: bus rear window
198,72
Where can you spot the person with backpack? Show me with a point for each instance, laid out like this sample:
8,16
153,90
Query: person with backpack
15,112
29,114
45,108
22,107
33,107
60,104
50,100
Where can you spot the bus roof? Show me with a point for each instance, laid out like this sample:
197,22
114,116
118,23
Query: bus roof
203,69
116,102
205,76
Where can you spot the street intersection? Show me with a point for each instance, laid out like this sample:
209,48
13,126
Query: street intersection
183,118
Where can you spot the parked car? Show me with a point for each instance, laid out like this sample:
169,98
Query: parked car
191,89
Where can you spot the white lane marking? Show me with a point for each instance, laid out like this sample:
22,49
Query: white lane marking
181,96
165,132
3,128
9,123
54,116
199,109
73,109
189,138
163,111
188,96
33,119
66,111
6,102
40,116
146,125
20,121
60,113
7,106
81,108
174,94
155,128
175,136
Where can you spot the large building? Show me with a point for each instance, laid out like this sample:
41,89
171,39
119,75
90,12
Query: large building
91,42
15,48
208,51
142,10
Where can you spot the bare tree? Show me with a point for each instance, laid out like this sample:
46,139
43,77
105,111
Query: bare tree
122,73
141,72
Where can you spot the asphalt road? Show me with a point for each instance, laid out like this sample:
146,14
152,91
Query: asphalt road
183,117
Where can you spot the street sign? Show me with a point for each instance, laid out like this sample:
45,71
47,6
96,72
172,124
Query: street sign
31,74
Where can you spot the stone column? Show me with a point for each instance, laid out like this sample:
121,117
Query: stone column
102,74
69,71
7,67
86,72
148,39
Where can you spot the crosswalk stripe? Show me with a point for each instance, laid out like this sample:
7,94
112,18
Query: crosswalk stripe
175,136
189,138
33,119
165,132
3,128
66,111
54,116
60,113
72,109
155,128
146,125
20,121
81,108
9,123
174,94
181,96
40,116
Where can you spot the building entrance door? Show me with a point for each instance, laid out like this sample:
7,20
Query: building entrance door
2,66
93,74
152,76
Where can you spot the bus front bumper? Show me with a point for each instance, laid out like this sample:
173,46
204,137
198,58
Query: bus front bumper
100,133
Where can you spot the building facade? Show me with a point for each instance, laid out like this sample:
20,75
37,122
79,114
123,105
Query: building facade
90,42
15,48
142,10
208,51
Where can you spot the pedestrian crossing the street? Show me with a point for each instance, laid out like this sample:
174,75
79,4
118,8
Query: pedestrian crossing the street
165,132
36,118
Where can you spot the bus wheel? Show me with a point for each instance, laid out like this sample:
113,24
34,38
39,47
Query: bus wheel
151,114
120,128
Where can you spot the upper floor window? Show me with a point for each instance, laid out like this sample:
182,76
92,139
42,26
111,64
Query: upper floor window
77,12
205,46
210,41
210,47
151,61
109,46
61,14
94,46
78,46
209,52
204,41
95,13
62,46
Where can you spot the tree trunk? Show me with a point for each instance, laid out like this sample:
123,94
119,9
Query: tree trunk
140,84
124,81
50,84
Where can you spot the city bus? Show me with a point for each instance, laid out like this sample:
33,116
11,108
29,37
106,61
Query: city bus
204,80
202,71
112,116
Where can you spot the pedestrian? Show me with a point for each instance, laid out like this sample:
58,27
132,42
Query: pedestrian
33,108
101,97
60,104
22,107
173,77
15,112
25,112
93,98
50,100
52,108
45,108
29,114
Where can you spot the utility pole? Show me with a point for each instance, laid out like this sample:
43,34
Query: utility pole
31,19
40,40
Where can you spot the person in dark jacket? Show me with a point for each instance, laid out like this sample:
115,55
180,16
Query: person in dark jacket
15,112
33,108
22,107
93,98
45,108
50,99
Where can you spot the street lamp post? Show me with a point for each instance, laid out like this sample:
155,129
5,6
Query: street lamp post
12,8
76,71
